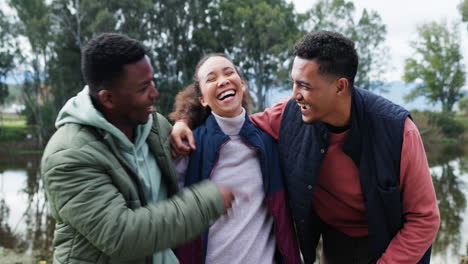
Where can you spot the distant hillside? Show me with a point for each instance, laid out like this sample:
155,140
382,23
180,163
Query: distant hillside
396,91
393,91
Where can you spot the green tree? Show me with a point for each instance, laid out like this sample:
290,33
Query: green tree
257,34
75,23
369,35
7,54
35,25
263,34
463,7
336,15
177,39
368,32
437,65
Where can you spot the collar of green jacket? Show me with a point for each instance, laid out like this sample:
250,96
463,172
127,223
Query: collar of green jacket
80,110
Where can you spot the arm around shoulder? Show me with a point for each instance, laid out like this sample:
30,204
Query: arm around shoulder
270,119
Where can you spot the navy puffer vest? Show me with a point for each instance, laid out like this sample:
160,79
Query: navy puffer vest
374,144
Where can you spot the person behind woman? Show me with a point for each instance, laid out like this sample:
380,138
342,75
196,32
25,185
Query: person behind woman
231,151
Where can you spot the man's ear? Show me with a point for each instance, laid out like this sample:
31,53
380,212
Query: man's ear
202,101
342,85
106,99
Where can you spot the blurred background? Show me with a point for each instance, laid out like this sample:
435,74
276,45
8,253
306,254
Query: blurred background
412,52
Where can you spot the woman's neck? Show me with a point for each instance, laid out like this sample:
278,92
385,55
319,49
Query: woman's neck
230,125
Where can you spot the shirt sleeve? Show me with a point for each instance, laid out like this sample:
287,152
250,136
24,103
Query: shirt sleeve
419,203
270,119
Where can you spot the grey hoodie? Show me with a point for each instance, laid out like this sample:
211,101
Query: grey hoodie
80,110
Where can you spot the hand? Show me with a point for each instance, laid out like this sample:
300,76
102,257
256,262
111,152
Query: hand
181,132
228,197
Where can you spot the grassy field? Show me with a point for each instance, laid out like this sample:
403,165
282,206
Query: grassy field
12,119
13,127
464,120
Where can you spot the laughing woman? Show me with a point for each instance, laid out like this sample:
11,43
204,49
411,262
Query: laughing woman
232,152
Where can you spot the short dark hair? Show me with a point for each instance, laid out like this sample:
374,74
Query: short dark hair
103,59
335,54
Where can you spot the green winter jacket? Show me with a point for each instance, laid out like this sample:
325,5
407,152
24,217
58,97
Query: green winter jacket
99,203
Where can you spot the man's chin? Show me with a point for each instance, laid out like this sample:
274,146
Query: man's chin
144,120
307,119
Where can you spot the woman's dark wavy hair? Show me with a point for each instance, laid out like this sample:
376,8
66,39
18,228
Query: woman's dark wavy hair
187,105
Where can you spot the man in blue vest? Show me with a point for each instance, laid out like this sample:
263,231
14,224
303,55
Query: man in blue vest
355,166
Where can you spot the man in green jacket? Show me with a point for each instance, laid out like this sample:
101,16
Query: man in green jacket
107,170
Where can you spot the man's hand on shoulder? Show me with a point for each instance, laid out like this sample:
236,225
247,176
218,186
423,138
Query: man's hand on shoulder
180,134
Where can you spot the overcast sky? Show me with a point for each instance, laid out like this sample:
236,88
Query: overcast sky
402,18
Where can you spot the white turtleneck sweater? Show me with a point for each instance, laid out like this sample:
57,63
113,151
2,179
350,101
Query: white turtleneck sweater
245,234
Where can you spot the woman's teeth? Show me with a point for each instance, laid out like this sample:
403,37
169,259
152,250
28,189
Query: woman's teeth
225,94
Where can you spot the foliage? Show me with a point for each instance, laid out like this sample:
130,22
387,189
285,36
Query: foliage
430,133
178,39
449,126
13,133
7,54
264,33
262,50
437,67
438,127
463,7
35,23
463,105
368,32
369,35
258,35
75,22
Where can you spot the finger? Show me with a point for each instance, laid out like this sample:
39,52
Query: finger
178,147
177,142
184,150
191,141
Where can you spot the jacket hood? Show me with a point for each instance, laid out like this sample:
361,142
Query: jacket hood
80,110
